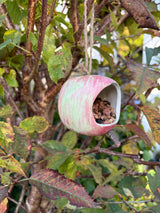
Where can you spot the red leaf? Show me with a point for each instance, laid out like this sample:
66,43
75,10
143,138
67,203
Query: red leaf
138,131
52,184
153,117
145,77
104,192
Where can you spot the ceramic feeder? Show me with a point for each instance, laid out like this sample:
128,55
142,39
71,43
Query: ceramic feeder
75,103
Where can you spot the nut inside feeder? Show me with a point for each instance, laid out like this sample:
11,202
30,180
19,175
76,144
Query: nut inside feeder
104,106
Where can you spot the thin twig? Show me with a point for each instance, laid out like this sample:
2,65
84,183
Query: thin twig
109,152
14,201
7,20
127,204
121,202
21,198
9,97
130,98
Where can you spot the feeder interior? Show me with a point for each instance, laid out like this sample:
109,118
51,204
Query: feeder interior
110,94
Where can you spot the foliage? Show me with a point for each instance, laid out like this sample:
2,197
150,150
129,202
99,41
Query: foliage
45,167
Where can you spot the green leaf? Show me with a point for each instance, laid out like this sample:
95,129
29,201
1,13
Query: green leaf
49,44
153,117
69,168
60,64
106,56
32,38
114,21
1,91
96,172
61,203
10,163
6,178
154,181
55,68
52,184
57,160
114,208
21,143
16,61
15,11
144,76
69,139
11,78
6,134
150,52
133,186
152,6
54,146
34,124
153,209
14,36
2,17
2,71
101,40
5,43
6,111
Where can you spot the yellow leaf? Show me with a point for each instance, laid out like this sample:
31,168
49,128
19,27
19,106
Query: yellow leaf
130,148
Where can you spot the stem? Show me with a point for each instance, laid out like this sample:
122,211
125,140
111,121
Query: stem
21,198
127,204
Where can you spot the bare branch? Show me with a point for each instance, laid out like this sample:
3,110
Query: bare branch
7,21
53,90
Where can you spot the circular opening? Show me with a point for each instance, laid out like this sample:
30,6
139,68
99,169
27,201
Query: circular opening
105,110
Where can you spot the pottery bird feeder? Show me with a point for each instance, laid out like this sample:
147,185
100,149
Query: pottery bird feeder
76,99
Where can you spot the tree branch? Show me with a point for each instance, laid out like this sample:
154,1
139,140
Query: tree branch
74,15
43,25
7,21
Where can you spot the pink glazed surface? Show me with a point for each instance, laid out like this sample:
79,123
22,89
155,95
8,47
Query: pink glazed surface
75,103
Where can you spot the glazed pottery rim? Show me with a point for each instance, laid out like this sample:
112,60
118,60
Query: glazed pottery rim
117,87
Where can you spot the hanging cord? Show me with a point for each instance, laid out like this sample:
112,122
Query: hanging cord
85,35
91,39
89,69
